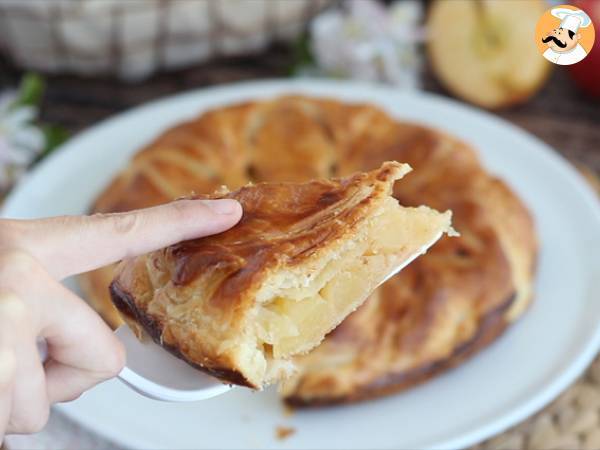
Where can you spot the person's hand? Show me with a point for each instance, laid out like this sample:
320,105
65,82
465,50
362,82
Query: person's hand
82,351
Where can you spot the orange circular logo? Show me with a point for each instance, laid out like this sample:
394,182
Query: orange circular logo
565,35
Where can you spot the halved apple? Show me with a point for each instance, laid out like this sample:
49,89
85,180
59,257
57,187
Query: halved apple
483,51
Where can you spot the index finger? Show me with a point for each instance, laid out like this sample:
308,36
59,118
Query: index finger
68,245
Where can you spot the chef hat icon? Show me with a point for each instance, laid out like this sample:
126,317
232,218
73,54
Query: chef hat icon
570,19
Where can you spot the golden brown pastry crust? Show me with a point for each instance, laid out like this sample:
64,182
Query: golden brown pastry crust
484,276
126,304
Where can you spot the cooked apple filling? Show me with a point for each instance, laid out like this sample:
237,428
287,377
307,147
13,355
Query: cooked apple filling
295,310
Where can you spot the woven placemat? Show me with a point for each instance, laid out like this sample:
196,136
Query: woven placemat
572,421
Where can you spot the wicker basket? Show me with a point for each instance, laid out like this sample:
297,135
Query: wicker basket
135,38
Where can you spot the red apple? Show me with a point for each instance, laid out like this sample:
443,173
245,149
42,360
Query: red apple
587,72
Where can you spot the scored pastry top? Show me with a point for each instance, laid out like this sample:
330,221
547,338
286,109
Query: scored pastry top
282,220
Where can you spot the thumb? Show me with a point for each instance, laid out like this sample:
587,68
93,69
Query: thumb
74,244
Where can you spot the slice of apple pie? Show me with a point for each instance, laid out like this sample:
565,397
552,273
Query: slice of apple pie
304,255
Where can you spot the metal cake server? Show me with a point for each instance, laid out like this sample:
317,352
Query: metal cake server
155,373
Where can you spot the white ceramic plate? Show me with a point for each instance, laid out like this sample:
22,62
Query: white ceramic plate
526,368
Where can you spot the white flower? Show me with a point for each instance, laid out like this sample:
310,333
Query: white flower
20,141
368,41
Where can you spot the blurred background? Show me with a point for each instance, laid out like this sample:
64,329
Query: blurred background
65,65
95,58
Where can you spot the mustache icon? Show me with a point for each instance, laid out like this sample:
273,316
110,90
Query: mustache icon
555,40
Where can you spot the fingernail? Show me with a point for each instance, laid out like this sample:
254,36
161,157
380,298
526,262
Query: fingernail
223,206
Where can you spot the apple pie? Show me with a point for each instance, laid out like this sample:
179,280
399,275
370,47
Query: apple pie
239,304
443,308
